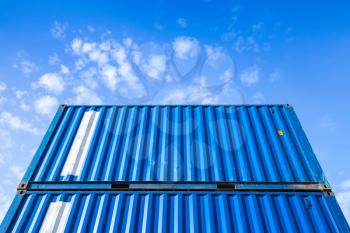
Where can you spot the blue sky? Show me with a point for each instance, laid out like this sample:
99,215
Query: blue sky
167,52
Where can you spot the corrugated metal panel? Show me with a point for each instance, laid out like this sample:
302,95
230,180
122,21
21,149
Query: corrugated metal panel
177,212
262,150
178,143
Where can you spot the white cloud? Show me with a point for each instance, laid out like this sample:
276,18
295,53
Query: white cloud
185,47
250,76
80,64
129,85
18,171
116,74
6,141
128,42
119,54
89,77
156,66
92,51
26,67
2,159
52,82
64,70
16,123
76,45
248,43
343,197
186,55
84,95
58,30
54,59
109,76
152,63
5,201
46,105
105,46
196,93
345,184
181,22
20,94
25,107
99,57
3,86
344,202
3,100
218,68
88,47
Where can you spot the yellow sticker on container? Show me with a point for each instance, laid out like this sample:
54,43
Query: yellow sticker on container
280,132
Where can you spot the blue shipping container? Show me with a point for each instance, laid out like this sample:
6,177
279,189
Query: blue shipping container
175,169
174,212
175,143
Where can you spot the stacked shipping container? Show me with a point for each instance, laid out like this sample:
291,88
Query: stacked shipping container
175,168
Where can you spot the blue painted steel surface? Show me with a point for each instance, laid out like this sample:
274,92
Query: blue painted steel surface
177,212
261,149
180,143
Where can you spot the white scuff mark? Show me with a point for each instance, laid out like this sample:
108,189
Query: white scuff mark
56,217
81,144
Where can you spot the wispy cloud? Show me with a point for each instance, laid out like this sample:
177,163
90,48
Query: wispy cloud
46,105
133,71
18,171
181,22
16,123
3,86
52,82
54,59
186,54
343,197
151,60
84,95
5,200
185,47
20,94
26,67
109,76
243,44
6,141
113,65
58,31
247,39
250,75
3,100
345,184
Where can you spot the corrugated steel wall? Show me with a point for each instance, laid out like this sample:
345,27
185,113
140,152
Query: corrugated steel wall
178,143
177,212
88,149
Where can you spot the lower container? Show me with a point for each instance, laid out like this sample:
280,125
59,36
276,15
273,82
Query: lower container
196,211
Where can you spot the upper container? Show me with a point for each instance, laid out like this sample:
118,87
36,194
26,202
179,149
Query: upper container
175,143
